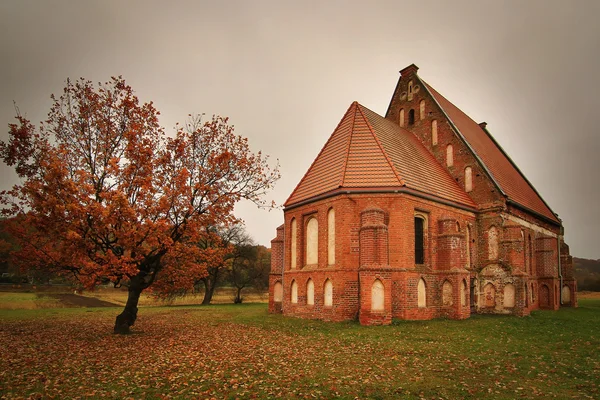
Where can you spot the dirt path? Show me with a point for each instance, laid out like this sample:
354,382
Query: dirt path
74,300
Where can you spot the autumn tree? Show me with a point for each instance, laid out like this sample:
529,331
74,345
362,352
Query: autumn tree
106,195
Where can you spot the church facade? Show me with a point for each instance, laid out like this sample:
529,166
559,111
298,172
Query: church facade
416,215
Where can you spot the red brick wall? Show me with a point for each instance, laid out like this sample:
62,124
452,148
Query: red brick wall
484,192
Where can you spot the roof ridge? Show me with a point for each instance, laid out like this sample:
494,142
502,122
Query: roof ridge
345,166
317,157
512,197
460,135
387,158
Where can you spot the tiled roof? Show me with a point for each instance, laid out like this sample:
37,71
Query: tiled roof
503,171
368,151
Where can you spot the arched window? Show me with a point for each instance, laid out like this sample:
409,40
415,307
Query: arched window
377,296
419,240
328,293
421,294
468,179
278,292
411,117
434,138
312,242
293,244
401,119
509,296
422,110
410,90
310,292
463,293
294,291
449,156
447,293
492,243
331,237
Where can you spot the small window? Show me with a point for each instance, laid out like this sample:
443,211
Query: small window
434,136
463,293
449,156
410,90
401,119
468,179
411,117
328,293
310,292
419,241
422,110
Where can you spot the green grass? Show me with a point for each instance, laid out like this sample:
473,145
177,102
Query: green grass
241,351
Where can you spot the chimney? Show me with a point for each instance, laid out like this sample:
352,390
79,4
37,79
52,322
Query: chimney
411,69
483,125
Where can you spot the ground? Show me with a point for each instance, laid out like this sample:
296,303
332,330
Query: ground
241,351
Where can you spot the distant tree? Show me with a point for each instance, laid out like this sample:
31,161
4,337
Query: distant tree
224,239
110,197
250,267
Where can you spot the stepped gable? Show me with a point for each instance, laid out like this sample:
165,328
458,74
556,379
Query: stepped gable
368,151
511,181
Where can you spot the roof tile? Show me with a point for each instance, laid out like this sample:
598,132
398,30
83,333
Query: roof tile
511,181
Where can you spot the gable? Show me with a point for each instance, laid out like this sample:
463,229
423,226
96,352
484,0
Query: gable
367,151
501,168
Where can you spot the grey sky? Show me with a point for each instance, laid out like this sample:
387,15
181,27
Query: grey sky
285,72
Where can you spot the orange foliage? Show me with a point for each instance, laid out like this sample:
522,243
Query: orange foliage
106,195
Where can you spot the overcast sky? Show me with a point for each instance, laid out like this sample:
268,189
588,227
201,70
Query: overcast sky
285,72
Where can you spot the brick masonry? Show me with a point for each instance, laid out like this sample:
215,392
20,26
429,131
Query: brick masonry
467,268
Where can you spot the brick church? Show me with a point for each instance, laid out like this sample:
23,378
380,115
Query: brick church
416,215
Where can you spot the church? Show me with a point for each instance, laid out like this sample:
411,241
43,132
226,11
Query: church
416,215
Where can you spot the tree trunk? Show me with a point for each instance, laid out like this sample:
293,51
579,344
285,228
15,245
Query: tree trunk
127,318
210,283
238,296
209,289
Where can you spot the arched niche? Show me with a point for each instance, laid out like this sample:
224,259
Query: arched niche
294,292
278,292
312,242
421,293
328,293
377,296
310,292
509,296
447,294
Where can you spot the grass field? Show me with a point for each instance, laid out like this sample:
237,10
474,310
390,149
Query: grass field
240,351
